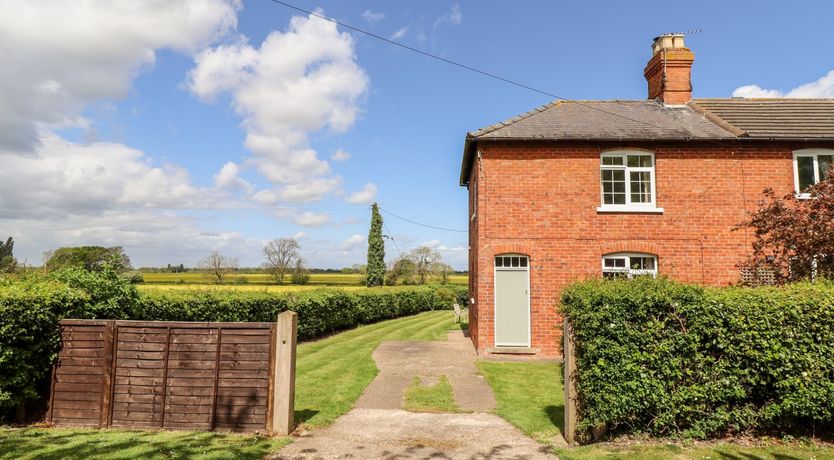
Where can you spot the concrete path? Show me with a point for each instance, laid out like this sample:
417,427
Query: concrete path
378,428
397,434
399,362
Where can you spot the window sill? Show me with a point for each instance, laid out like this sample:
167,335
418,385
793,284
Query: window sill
630,209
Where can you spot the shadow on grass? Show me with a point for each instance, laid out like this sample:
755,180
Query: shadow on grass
303,415
64,443
556,414
724,455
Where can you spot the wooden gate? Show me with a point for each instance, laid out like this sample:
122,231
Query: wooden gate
177,375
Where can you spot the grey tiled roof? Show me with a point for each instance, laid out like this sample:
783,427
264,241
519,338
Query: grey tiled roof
648,120
775,118
608,120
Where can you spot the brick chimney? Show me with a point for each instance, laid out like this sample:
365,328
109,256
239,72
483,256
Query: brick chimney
669,70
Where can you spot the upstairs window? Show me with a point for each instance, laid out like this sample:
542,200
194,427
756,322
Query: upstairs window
627,181
628,265
810,166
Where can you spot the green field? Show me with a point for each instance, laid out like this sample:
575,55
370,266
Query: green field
264,279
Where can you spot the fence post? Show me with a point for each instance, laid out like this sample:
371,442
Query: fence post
569,351
283,397
107,380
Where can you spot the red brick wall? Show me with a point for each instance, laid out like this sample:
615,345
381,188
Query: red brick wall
541,199
473,251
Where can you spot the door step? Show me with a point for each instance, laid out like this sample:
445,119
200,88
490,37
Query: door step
513,350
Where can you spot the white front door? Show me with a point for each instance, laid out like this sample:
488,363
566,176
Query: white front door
512,301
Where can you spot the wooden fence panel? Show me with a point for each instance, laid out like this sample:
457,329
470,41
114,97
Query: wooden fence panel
78,383
194,376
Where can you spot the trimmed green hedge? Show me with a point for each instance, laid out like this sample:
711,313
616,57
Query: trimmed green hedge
31,308
29,315
659,357
320,311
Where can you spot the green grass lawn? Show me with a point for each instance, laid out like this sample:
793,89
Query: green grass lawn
436,398
63,443
530,396
331,375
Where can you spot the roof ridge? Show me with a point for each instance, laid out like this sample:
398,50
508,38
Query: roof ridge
766,99
509,121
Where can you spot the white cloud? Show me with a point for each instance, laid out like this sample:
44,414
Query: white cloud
149,237
300,235
340,155
228,178
295,84
354,241
60,56
822,88
63,178
434,244
312,219
400,33
58,59
304,218
299,193
452,17
366,195
372,16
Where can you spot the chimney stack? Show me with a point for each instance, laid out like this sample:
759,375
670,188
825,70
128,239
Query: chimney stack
669,71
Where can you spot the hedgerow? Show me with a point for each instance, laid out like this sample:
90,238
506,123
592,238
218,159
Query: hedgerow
29,315
663,358
31,308
319,311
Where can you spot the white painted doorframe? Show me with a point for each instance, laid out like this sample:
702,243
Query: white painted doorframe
495,271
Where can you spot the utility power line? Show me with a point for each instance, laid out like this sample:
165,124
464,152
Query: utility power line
422,224
495,77
391,237
463,66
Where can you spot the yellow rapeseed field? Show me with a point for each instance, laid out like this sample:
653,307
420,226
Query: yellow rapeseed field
258,282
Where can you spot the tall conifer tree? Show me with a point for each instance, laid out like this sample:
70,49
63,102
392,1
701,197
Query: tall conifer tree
376,250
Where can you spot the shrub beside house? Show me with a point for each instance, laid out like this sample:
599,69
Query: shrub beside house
668,359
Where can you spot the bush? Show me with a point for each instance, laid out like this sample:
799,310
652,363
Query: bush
111,295
663,358
29,315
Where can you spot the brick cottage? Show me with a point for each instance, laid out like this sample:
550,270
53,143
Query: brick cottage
578,189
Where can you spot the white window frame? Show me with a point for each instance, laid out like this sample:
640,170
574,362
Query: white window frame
813,153
650,207
628,270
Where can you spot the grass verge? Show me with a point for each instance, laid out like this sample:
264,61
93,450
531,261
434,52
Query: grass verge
54,443
437,398
530,396
698,450
333,372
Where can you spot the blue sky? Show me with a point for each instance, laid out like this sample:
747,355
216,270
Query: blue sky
175,129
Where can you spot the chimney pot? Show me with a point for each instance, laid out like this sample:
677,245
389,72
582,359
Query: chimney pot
669,71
